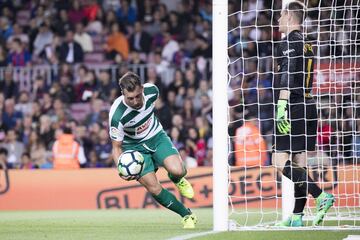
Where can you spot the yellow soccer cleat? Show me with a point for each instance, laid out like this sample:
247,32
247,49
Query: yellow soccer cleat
189,221
185,188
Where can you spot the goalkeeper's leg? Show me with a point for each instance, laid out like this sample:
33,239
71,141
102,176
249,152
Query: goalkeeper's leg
167,199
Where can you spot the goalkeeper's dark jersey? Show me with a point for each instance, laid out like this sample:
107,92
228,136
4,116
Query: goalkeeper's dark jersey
295,62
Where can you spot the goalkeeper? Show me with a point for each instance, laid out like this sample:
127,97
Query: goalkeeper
133,126
296,115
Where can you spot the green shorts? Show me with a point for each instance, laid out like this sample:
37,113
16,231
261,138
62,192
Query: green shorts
155,150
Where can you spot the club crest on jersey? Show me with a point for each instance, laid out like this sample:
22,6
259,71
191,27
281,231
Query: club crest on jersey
114,131
143,126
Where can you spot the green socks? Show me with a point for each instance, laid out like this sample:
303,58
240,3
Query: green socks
168,200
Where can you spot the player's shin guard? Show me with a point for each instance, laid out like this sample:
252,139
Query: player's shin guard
176,179
168,200
298,174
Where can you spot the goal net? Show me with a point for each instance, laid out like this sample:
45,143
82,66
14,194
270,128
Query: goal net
258,195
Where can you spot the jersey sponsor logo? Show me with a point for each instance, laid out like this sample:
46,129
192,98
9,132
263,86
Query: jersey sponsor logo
288,51
144,126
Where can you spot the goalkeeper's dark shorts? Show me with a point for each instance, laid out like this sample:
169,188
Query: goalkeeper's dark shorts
303,119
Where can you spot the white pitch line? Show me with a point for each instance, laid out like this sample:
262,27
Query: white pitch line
192,235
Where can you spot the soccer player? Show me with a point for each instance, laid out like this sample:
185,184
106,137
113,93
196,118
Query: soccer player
296,115
133,126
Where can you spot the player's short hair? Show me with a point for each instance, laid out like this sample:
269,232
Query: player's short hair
129,82
297,9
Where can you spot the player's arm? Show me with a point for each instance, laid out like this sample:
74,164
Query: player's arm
117,135
289,64
116,150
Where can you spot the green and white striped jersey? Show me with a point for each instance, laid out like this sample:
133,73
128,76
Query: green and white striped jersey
133,126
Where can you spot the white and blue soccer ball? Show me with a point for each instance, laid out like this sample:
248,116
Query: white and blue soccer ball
130,165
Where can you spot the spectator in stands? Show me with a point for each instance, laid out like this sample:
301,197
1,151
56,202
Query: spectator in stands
250,146
96,27
60,113
35,111
94,115
140,40
3,56
103,148
203,128
76,13
171,46
117,46
67,153
23,104
189,45
71,51
37,150
177,122
158,40
177,138
14,148
160,63
8,86
175,27
107,89
6,29
11,118
94,161
39,87
126,13
195,146
52,51
153,26
46,133
188,113
83,38
67,93
46,103
204,49
43,38
62,23
171,101
18,33
91,9
145,10
88,89
25,129
26,161
163,112
189,161
18,56
153,78
206,11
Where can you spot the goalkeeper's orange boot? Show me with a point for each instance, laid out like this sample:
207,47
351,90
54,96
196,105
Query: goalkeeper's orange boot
185,188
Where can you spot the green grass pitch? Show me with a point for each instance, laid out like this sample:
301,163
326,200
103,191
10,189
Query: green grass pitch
130,224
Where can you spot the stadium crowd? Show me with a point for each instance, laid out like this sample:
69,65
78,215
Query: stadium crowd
84,40
85,45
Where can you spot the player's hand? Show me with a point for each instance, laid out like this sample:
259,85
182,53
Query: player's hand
282,123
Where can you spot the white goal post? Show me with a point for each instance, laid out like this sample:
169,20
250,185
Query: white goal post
255,197
220,113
